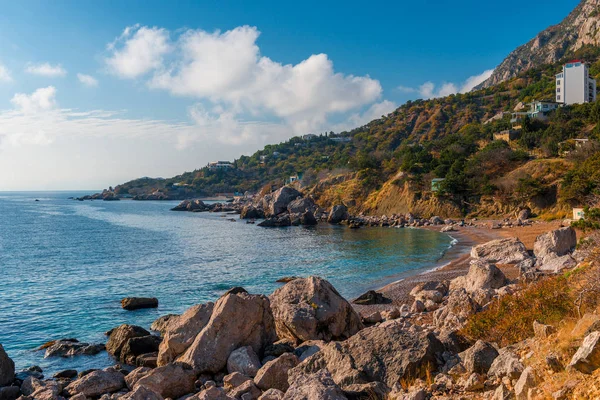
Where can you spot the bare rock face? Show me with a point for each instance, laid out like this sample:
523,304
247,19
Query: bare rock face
274,374
481,275
501,251
120,335
97,383
300,206
7,368
554,244
173,380
587,357
316,386
479,357
384,353
558,264
181,333
243,360
238,319
281,199
338,214
311,308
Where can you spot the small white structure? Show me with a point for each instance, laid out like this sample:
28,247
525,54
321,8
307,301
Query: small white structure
574,85
219,165
578,214
309,136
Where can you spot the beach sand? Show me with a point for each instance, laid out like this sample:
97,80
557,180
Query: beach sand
456,260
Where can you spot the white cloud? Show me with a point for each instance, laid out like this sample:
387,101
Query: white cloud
139,53
46,69
227,70
4,74
428,90
43,99
87,80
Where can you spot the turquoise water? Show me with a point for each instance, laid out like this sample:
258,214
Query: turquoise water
65,265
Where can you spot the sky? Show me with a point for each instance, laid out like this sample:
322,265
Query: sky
93,94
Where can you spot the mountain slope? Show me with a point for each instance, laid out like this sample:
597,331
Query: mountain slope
580,28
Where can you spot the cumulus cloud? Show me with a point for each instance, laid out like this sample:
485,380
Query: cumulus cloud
429,90
87,80
227,70
43,99
137,51
46,69
4,74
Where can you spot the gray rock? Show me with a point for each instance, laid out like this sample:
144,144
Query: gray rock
526,381
9,393
503,393
506,364
243,360
501,251
172,380
135,375
587,357
557,264
481,275
274,374
542,331
455,313
300,206
316,386
234,380
338,214
97,383
138,346
479,357
311,308
554,244
7,368
281,199
272,394
141,393
162,323
120,335
246,391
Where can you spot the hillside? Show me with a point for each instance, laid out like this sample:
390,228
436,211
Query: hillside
580,28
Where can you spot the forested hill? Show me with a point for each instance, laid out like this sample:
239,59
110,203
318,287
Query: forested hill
439,138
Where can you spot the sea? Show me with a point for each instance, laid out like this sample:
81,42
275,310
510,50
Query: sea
65,265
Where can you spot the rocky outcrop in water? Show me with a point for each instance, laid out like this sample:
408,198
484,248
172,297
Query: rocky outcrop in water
7,368
136,303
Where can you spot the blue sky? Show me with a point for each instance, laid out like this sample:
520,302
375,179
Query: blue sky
192,81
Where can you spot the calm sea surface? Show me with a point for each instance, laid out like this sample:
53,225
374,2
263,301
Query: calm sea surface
65,265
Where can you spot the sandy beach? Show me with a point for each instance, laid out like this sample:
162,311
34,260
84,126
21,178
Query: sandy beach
456,261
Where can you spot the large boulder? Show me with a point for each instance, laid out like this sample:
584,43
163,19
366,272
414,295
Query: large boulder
316,386
181,333
338,214
120,335
506,364
274,374
587,357
238,319
7,368
161,324
479,357
97,383
311,308
281,199
385,353
454,314
137,346
481,275
557,264
172,380
300,206
243,360
251,212
135,303
501,251
142,393
526,381
554,244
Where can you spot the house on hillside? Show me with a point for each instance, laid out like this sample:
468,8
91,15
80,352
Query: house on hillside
216,165
309,136
578,214
435,184
574,84
537,110
508,135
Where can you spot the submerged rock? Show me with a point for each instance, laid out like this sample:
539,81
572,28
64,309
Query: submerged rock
68,348
311,308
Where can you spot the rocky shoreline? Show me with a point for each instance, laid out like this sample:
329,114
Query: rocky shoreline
305,341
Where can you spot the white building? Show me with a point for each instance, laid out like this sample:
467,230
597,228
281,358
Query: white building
219,165
574,85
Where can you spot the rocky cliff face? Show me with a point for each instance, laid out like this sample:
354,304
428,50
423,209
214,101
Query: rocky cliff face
581,27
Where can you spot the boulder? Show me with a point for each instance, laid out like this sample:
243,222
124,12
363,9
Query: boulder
371,297
7,368
308,219
503,393
554,244
141,393
251,212
97,383
274,374
246,391
172,380
311,308
281,199
120,335
135,375
481,275
238,319
316,386
135,303
161,324
190,205
338,214
587,357
272,394
557,264
147,360
234,380
454,314
30,385
181,333
67,348
9,392
137,346
436,220
501,251
243,360
385,353
479,357
526,381
300,206
506,364
523,214
212,393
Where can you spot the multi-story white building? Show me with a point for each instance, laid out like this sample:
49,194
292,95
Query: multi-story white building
219,165
574,85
